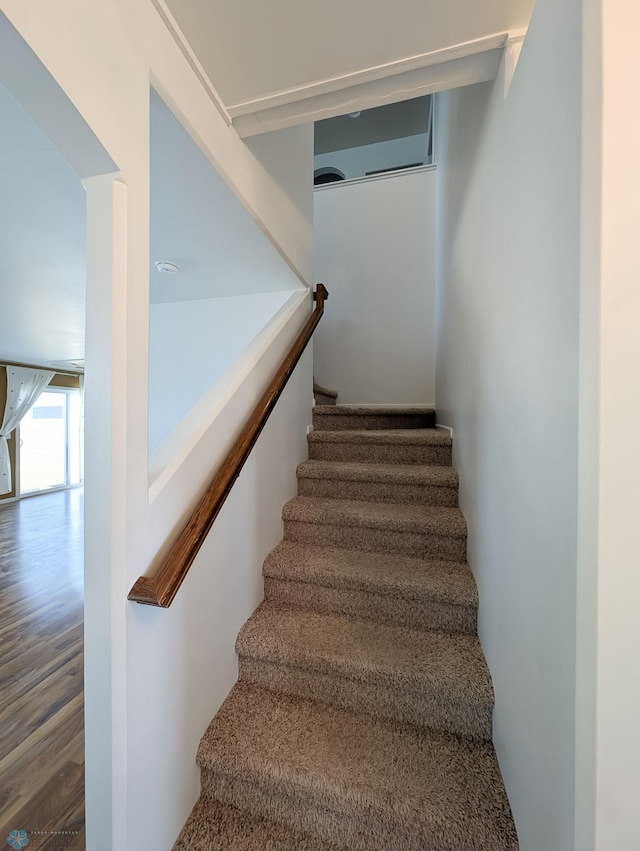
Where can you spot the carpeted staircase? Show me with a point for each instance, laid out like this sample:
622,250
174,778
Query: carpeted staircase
324,396
362,715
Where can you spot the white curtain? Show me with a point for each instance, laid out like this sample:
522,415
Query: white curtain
24,385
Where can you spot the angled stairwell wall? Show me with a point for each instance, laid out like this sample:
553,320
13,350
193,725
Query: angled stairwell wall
507,382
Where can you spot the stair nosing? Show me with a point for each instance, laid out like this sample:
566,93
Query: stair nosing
334,512
440,646
211,821
399,436
318,577
408,799
419,475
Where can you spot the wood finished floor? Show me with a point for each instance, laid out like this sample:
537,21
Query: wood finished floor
41,671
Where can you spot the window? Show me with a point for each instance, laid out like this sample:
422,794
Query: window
50,440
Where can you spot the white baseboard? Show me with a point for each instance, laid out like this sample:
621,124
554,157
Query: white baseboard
445,428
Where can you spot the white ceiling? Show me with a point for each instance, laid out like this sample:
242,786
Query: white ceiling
251,50
42,238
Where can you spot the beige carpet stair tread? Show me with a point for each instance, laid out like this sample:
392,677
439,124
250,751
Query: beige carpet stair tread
212,826
382,573
452,665
421,519
401,437
353,471
369,783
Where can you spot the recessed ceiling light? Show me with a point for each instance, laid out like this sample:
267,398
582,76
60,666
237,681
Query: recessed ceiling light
165,267
355,114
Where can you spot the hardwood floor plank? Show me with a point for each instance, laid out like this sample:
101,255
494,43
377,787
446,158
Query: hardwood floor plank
41,671
40,759
53,807
72,837
34,666
31,710
24,751
24,639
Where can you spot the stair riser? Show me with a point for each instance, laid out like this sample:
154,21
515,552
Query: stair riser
372,422
421,613
380,453
378,491
391,702
338,816
321,399
313,813
212,826
427,546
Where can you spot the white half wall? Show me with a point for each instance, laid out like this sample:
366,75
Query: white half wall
375,251
507,382
182,660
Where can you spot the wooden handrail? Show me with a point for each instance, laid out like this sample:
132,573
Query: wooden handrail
159,590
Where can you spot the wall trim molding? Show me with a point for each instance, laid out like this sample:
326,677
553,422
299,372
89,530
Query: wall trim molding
450,72
445,428
185,48
457,65
368,75
512,51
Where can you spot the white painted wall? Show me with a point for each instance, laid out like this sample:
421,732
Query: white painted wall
375,250
43,233
142,721
608,688
287,158
356,162
507,382
192,344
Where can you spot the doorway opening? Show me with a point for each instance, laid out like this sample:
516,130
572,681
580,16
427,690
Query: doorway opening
47,153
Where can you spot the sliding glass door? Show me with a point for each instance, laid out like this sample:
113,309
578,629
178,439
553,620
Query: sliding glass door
50,440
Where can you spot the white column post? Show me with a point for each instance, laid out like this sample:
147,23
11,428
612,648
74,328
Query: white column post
608,639
105,512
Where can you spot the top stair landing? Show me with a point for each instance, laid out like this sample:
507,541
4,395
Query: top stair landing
343,417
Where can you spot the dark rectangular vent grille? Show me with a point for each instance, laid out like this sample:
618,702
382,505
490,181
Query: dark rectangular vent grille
395,168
